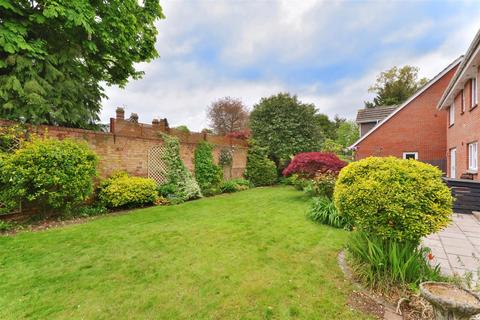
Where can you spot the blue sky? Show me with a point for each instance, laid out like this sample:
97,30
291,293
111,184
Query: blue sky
326,52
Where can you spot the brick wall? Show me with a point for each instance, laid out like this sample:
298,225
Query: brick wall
466,129
418,127
127,144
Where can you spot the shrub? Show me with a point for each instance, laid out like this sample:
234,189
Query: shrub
322,185
393,198
381,262
323,211
309,164
52,174
90,211
177,175
234,185
123,191
6,226
207,173
260,170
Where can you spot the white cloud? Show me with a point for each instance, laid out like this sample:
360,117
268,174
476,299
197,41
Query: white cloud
206,46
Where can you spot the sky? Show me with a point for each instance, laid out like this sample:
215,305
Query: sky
325,52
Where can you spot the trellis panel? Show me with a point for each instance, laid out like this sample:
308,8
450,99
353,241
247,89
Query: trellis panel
157,169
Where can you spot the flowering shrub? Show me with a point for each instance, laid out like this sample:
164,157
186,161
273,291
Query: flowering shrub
393,198
179,179
321,185
309,164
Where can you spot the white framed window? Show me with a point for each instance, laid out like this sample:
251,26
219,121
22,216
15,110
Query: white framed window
474,97
473,156
451,116
453,163
410,155
463,101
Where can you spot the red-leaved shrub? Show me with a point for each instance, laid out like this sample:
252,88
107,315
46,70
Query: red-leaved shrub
309,164
240,134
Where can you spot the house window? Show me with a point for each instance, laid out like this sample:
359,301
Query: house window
473,156
451,118
474,97
463,101
410,155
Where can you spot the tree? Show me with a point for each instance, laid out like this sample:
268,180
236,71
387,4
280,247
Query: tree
227,115
55,55
395,86
285,126
326,126
347,133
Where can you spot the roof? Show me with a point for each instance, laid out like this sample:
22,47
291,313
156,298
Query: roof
472,52
374,114
413,97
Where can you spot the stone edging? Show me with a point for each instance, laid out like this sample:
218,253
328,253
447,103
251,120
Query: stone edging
390,310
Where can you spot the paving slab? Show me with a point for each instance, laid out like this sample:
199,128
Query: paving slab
457,248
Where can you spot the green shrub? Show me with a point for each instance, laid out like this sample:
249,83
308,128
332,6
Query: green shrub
393,198
235,185
123,191
90,211
53,175
6,226
298,182
323,211
207,173
381,263
177,175
322,185
260,170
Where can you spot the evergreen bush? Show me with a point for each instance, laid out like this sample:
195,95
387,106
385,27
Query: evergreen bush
207,173
260,170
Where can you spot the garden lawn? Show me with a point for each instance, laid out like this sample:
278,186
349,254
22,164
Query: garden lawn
249,255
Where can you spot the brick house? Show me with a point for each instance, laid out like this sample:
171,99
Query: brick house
368,118
415,129
460,103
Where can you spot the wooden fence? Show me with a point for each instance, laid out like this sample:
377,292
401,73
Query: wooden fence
466,193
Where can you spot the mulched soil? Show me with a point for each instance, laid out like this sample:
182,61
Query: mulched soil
364,303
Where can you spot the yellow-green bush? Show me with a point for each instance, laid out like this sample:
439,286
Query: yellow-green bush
53,175
393,198
123,191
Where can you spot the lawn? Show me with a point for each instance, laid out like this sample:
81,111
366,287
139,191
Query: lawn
249,255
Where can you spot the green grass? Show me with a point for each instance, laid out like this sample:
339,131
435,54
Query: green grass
249,255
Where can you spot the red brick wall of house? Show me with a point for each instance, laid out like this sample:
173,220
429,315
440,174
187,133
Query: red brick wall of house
465,130
418,127
126,147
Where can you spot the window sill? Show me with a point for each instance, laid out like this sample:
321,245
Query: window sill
474,107
451,125
474,172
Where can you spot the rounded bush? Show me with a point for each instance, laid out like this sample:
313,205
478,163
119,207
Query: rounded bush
123,191
52,174
393,198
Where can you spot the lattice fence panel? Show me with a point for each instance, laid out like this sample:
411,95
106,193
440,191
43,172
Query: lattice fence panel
156,166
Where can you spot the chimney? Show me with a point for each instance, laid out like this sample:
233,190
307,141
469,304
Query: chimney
120,113
156,123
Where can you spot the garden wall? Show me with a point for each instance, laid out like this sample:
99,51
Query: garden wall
128,145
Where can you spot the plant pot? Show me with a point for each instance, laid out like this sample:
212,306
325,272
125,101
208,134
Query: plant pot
450,302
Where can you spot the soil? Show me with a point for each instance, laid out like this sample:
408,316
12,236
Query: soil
453,294
365,304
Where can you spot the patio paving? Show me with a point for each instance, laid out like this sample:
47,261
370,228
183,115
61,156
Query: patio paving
457,248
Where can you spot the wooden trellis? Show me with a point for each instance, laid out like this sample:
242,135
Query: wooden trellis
156,166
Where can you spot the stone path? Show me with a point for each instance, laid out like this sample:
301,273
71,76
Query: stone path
457,248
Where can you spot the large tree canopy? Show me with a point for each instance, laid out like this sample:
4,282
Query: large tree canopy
227,115
285,126
54,54
395,86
